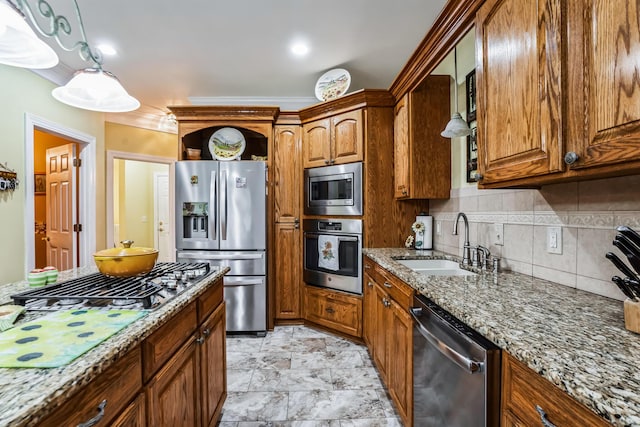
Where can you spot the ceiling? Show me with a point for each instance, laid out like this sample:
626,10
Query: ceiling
238,52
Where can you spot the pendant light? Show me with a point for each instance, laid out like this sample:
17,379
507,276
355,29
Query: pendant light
91,88
456,127
19,45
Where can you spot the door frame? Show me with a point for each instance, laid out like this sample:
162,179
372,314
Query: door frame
156,233
123,155
87,206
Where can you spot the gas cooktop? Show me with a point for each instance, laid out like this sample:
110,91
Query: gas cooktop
146,292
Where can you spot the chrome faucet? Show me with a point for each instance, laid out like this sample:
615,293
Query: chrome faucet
466,252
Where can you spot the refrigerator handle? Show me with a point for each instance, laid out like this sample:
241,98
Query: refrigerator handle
213,200
223,206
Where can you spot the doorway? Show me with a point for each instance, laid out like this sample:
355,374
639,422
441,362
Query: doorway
82,193
140,202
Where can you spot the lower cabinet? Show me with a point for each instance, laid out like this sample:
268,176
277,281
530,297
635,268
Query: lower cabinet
175,377
528,399
335,310
389,330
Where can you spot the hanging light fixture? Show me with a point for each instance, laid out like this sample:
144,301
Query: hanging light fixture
90,89
456,127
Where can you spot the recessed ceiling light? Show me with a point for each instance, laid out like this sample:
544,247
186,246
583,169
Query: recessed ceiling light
107,49
300,49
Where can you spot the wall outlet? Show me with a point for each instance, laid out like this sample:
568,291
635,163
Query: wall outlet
554,240
498,234
438,228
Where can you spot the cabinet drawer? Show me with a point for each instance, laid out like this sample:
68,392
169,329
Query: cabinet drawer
117,386
164,342
334,310
396,288
210,300
523,390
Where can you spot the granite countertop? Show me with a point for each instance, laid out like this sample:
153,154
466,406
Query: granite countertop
26,395
575,339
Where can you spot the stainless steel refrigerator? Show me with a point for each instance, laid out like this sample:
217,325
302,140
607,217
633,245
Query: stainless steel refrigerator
221,219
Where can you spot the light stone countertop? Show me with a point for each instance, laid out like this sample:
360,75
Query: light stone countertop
27,395
575,339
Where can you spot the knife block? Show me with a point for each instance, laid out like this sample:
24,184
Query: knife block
632,315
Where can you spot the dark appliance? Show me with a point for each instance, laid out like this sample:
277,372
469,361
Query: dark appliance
146,292
333,190
345,273
456,371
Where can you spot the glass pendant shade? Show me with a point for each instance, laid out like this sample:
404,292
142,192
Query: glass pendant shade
19,44
456,127
97,90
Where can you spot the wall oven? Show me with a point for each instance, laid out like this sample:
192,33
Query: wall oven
333,190
333,254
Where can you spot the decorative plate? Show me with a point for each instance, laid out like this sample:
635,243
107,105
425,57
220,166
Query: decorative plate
227,144
332,84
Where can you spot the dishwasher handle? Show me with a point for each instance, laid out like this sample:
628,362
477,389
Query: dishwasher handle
470,365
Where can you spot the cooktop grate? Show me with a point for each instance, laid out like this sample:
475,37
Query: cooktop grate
98,287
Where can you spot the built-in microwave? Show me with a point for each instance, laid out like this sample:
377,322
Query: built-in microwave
333,190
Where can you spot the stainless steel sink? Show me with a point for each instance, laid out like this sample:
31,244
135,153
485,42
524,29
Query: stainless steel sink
435,267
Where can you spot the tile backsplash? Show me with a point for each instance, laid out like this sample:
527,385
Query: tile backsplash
587,213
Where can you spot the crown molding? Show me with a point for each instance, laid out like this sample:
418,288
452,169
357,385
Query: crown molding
285,103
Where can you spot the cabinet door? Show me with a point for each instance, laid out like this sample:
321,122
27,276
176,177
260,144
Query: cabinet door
333,309
316,143
603,82
288,183
400,360
369,311
288,252
380,353
519,82
134,415
347,137
401,148
172,394
213,366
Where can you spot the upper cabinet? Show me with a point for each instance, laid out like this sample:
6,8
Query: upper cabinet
422,158
604,103
562,103
519,79
333,140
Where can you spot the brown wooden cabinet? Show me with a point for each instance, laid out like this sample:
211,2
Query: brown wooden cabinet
213,371
604,102
339,311
525,394
519,84
288,237
368,304
563,106
333,140
422,157
390,330
134,415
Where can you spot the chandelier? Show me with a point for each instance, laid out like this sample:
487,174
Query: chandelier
91,88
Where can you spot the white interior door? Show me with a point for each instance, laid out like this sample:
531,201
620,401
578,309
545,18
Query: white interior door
162,211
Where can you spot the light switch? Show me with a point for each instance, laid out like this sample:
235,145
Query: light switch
498,234
439,228
554,240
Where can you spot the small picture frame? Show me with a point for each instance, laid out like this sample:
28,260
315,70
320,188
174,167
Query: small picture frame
471,96
472,153
40,183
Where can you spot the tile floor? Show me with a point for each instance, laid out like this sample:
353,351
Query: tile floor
300,377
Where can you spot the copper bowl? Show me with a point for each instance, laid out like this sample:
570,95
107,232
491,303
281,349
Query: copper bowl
125,261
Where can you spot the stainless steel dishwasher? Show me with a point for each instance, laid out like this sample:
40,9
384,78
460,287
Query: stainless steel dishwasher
456,371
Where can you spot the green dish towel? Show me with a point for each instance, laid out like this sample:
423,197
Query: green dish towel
56,339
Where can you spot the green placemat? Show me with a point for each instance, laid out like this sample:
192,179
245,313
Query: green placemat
58,338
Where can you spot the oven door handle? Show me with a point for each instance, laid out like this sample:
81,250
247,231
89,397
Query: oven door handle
340,238
471,366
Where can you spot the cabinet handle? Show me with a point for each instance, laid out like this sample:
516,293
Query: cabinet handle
479,177
571,157
387,285
370,284
367,267
543,417
329,310
327,162
206,332
200,340
95,420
